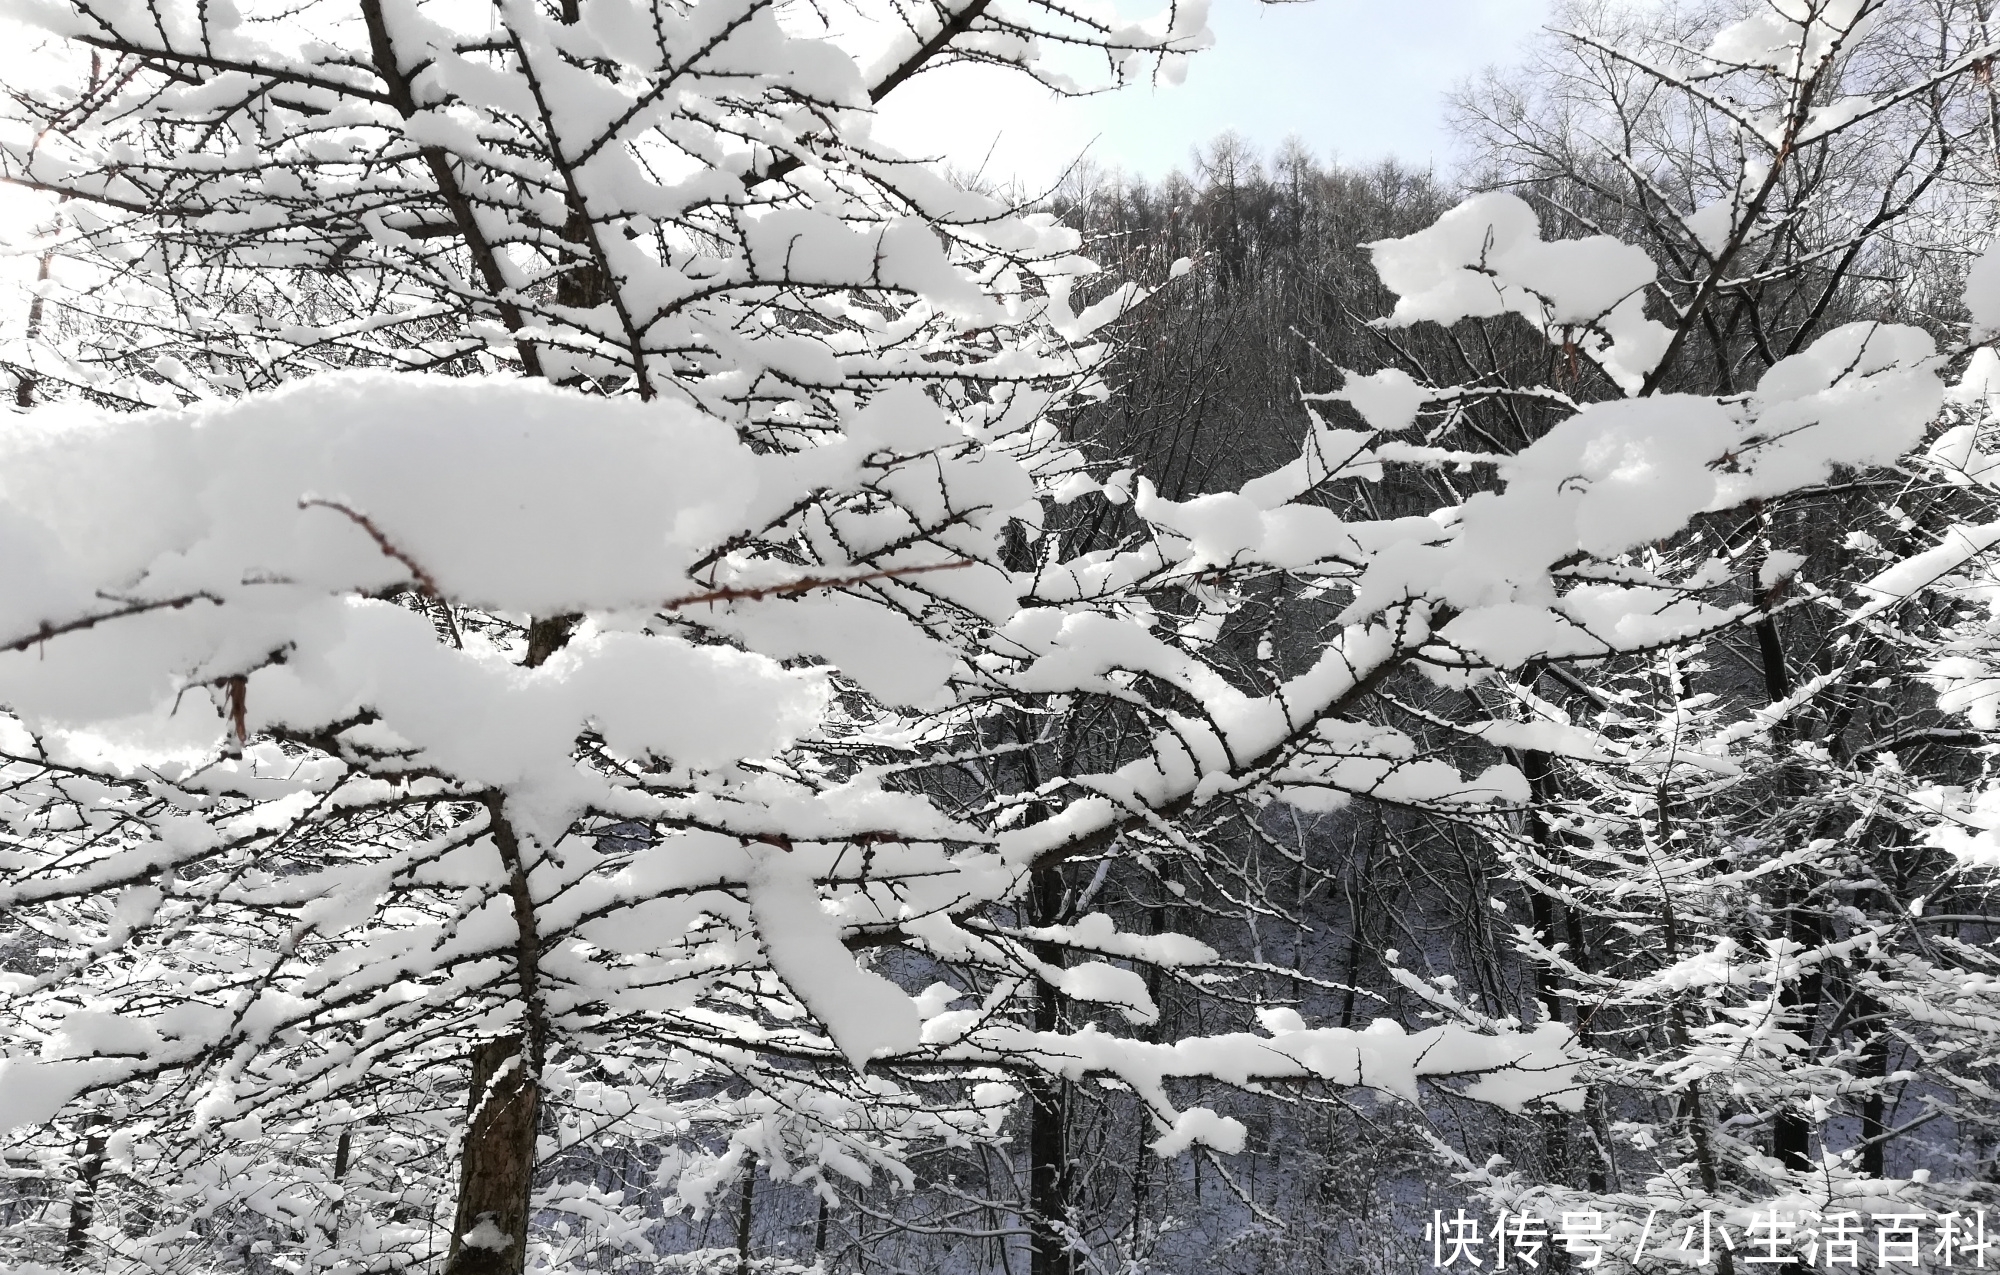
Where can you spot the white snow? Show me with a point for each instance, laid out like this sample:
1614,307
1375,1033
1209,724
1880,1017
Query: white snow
486,1234
1487,258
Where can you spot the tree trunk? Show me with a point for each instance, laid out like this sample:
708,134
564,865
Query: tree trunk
1048,1138
496,1165
1874,1108
1791,1131
546,636
743,1217
83,1205
1048,1178
1142,1168
497,1161
1558,1144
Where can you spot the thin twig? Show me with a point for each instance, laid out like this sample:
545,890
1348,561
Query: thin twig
732,593
386,545
807,584
47,631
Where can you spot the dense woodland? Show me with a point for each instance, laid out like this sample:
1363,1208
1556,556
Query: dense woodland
1692,833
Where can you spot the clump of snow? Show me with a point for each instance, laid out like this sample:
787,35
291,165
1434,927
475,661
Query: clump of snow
208,498
1791,36
1203,1127
1487,258
1779,566
254,538
32,1091
1388,400
866,1014
487,1234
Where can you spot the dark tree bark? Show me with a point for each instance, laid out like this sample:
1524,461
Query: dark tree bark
744,1214
83,1205
497,1163
1049,1184
1791,1131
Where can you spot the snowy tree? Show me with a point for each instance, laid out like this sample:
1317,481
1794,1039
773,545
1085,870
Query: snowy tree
1732,881
1728,876
550,736
554,642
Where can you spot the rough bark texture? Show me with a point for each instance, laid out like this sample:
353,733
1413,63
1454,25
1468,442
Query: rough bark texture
497,1163
546,636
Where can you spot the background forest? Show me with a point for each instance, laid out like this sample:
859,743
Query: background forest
1727,835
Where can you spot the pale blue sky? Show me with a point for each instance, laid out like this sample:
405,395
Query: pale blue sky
1360,78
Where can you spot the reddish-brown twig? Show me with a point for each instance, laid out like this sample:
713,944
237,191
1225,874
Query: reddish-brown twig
807,584
733,593
386,545
239,706
47,631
